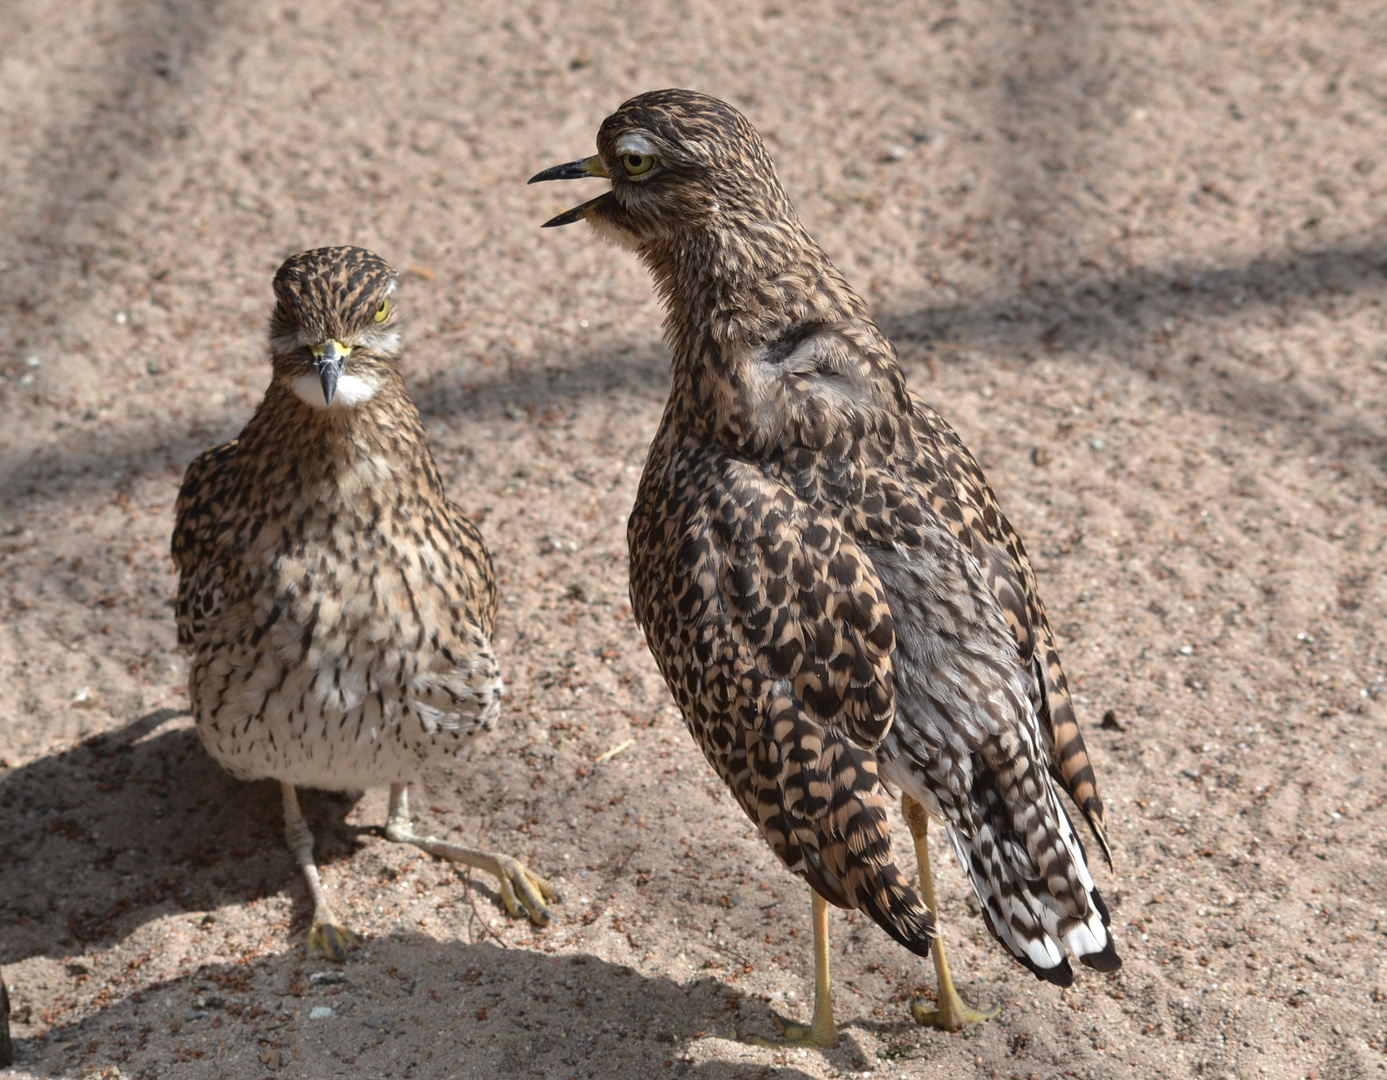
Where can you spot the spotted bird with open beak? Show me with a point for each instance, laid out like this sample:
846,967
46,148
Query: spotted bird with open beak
826,581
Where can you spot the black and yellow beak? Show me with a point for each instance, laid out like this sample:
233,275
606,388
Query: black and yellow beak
574,170
329,357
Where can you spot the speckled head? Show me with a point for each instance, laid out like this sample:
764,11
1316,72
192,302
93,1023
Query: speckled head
677,160
334,324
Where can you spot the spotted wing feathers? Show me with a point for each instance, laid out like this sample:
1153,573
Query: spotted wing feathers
773,632
199,517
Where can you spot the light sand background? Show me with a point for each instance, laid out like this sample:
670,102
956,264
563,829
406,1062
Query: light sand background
1135,251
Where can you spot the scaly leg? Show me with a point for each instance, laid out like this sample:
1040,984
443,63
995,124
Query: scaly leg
327,935
822,1031
521,887
952,1013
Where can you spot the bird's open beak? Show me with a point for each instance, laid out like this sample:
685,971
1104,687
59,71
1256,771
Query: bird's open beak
574,170
329,357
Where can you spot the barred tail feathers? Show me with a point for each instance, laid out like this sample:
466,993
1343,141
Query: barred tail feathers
1017,884
1073,766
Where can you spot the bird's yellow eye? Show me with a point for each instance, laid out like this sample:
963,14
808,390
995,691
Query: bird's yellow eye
637,164
281,315
383,310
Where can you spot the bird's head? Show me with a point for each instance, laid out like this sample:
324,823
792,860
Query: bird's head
679,162
333,334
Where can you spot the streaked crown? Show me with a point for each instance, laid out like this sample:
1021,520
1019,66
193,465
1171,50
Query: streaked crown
338,293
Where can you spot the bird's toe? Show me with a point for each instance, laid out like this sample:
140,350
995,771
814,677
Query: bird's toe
952,1015
330,938
525,892
824,1036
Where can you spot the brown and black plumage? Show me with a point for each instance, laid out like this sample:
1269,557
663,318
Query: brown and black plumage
337,606
823,574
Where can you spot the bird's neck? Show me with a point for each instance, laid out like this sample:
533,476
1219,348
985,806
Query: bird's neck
758,325
743,286
324,448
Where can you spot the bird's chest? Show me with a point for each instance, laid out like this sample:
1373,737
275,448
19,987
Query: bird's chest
346,571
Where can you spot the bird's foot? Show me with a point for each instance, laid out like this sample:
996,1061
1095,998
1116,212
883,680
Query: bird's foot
953,1013
328,937
522,890
824,1036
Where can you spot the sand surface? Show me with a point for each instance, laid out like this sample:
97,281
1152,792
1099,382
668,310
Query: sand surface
1136,252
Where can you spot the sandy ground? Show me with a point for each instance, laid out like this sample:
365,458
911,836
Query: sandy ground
1135,251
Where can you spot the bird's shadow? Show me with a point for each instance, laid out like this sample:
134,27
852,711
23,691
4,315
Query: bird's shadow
423,1009
139,823
134,823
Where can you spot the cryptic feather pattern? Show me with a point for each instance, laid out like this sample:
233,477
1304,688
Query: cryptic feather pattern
824,576
338,607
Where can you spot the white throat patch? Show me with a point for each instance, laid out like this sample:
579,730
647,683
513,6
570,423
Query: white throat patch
352,390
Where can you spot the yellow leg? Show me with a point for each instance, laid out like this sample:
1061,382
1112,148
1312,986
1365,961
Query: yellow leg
822,1031
952,1013
327,935
522,890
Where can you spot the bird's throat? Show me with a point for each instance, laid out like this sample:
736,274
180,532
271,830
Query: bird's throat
352,390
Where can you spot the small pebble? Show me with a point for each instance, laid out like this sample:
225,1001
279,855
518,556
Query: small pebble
196,1014
321,1012
327,978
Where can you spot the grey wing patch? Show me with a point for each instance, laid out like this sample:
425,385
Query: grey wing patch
968,742
954,483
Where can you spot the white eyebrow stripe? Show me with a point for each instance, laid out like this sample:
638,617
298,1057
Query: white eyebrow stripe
634,143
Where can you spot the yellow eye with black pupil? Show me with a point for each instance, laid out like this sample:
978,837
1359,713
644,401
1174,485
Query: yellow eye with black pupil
382,311
637,164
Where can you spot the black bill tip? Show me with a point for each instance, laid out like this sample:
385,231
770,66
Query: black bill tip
329,371
573,170
578,213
